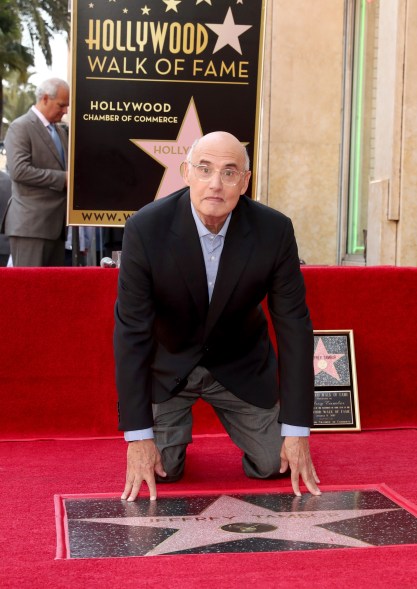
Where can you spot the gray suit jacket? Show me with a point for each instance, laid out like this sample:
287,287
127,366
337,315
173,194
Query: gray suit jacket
38,204
5,194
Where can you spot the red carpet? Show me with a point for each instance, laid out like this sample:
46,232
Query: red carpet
33,472
57,381
56,351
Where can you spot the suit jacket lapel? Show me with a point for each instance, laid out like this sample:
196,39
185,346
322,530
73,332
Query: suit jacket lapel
45,136
185,246
237,249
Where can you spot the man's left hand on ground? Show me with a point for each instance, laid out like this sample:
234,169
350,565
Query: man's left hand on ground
295,454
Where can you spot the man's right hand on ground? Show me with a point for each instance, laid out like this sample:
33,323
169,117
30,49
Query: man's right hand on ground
143,461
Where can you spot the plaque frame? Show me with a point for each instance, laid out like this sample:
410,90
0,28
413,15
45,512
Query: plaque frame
336,395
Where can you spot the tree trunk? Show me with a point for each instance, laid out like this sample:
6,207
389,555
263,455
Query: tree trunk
1,107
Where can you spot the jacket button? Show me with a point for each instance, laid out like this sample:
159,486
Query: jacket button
178,380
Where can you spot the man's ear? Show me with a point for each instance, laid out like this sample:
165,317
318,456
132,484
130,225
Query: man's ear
184,169
246,182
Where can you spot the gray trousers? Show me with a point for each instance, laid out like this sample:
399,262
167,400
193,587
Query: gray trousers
254,430
35,252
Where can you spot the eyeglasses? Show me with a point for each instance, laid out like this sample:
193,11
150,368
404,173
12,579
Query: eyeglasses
228,176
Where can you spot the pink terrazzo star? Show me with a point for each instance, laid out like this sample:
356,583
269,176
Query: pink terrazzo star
324,361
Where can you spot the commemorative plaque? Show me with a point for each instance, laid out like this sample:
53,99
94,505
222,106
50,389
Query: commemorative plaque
336,405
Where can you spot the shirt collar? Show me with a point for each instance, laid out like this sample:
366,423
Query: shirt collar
40,116
202,229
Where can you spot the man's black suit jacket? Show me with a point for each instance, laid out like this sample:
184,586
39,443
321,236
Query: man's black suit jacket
165,325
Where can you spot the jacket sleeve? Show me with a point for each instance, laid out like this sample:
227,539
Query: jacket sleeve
294,332
133,335
26,165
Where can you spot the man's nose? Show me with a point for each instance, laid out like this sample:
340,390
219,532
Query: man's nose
216,179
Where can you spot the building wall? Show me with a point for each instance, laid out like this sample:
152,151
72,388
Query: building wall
407,229
304,72
304,169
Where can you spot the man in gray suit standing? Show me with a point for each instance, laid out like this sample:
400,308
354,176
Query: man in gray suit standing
5,193
37,154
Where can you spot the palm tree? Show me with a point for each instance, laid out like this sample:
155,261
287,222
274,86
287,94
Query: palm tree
18,98
42,19
14,57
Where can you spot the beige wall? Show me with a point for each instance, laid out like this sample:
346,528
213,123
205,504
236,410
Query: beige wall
392,215
304,75
407,228
302,172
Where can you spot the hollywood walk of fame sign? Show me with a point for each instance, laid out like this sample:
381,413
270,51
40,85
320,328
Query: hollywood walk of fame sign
148,78
336,403
101,527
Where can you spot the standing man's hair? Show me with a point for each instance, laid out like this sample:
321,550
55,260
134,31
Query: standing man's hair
50,87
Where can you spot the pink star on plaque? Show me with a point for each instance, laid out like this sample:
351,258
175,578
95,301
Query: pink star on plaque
324,361
171,154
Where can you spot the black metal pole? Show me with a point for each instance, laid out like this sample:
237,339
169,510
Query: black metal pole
75,246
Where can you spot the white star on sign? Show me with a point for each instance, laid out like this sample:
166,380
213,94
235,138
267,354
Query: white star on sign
207,527
172,4
228,33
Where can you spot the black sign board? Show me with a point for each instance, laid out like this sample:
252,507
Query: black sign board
148,78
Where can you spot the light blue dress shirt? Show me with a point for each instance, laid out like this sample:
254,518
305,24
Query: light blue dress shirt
53,132
212,247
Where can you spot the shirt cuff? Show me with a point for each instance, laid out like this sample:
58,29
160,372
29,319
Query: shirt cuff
147,434
139,434
294,430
